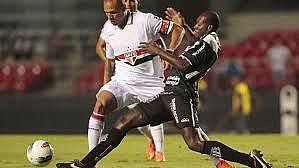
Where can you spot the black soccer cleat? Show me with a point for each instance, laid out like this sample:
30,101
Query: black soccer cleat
259,161
74,164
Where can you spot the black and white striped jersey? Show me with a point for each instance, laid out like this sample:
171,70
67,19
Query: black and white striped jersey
201,55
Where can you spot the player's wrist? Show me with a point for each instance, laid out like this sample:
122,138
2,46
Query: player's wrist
171,51
185,25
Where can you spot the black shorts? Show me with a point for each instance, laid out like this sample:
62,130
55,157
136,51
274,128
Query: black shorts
167,107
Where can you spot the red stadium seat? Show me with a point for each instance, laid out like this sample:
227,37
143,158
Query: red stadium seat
90,80
7,78
226,52
23,77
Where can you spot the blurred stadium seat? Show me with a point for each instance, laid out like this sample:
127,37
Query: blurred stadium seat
258,74
7,78
90,80
25,77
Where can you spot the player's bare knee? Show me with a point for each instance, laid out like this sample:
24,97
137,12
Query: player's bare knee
121,126
127,121
106,103
191,145
196,146
122,123
100,107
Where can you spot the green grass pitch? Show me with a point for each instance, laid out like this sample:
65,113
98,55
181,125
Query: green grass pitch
281,151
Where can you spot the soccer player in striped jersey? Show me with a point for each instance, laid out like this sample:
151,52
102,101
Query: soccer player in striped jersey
176,103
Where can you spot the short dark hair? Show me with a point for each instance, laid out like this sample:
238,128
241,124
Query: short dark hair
212,19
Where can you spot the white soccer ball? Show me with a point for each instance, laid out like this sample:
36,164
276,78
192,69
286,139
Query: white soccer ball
40,153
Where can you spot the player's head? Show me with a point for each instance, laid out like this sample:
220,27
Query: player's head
114,10
131,5
206,22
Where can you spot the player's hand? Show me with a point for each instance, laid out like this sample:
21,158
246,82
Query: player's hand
175,16
150,47
166,65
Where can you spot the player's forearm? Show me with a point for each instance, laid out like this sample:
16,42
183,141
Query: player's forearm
108,71
175,61
189,34
176,37
101,54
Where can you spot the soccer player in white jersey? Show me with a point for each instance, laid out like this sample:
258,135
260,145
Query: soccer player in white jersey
131,75
154,134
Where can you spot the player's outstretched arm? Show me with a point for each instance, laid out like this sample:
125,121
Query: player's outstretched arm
178,63
177,35
177,18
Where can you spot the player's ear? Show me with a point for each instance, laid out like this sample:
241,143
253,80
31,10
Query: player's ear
123,7
210,28
138,3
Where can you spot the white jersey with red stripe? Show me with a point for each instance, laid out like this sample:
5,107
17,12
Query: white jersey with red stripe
132,65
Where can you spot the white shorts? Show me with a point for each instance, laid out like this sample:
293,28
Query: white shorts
126,94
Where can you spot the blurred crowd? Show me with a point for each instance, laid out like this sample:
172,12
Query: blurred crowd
59,55
55,45
265,61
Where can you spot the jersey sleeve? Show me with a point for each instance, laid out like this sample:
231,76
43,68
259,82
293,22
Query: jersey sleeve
103,35
201,55
158,25
104,31
109,51
213,41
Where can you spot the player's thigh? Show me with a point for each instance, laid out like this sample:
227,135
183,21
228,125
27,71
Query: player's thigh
131,119
184,111
154,111
115,95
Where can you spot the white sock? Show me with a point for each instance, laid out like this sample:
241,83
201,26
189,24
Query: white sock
204,137
158,137
146,132
95,128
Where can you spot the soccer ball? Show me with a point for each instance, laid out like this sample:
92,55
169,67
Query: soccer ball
40,153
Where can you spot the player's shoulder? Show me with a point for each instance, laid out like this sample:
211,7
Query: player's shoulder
107,30
146,16
107,25
213,40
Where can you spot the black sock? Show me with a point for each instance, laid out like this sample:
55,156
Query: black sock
219,150
112,140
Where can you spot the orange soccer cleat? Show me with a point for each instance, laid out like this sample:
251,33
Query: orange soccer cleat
224,164
160,157
150,150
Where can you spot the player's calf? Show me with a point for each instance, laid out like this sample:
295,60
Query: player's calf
107,144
